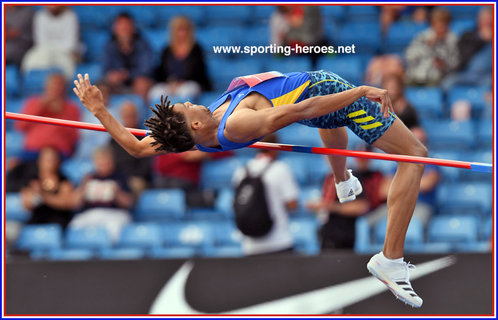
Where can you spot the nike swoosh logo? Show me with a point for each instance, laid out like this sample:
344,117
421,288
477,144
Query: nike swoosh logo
171,299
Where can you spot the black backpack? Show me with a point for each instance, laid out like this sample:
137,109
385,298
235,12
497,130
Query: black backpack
252,215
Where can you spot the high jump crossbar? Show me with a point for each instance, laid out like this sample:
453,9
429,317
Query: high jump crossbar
474,166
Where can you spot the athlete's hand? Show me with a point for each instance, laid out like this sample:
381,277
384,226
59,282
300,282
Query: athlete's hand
381,96
89,95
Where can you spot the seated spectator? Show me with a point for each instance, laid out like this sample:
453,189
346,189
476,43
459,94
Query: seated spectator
127,61
382,66
136,170
279,25
104,197
49,195
403,109
475,50
182,71
426,202
433,53
338,231
52,103
282,196
18,32
56,41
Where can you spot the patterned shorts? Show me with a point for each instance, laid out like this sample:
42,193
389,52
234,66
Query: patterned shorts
363,116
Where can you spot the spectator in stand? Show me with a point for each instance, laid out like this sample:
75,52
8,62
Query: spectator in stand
128,59
382,66
54,104
433,53
136,170
279,25
338,231
475,50
403,109
18,32
104,196
183,170
49,195
182,70
282,195
56,41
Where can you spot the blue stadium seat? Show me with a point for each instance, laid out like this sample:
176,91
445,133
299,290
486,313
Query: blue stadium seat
449,174
226,234
12,81
14,143
140,235
459,27
40,237
297,164
217,174
400,35
122,254
414,235
172,253
223,252
95,69
227,15
145,16
261,14
288,64
14,210
205,214
95,238
219,36
366,36
161,205
91,18
224,201
474,95
333,12
363,242
305,234
76,169
301,135
73,254
318,168
363,13
259,36
117,100
486,228
463,11
427,101
158,39
95,41
13,105
223,70
347,67
449,134
195,13
453,229
465,197
478,155
306,195
34,80
484,134
197,235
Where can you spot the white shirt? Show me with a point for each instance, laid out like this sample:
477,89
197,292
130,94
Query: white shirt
57,32
281,188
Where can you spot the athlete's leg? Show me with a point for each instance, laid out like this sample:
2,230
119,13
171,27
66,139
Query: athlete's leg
404,189
337,139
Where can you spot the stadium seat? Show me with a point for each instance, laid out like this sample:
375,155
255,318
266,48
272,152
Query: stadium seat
95,238
33,81
14,210
362,13
197,235
145,16
217,174
288,64
453,229
223,70
161,205
347,67
449,134
122,254
224,202
333,12
117,100
91,18
427,101
305,234
474,95
76,169
484,134
449,174
261,14
12,81
219,36
297,165
465,197
459,12
95,43
228,15
40,237
481,156
158,39
318,168
223,252
204,214
363,242
486,228
414,235
459,27
306,195
13,105
73,254
260,36
300,135
172,253
195,13
95,69
14,143
364,35
226,234
140,235
400,35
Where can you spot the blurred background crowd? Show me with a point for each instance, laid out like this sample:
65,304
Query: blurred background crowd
77,195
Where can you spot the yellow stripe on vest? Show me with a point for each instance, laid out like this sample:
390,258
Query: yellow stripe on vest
291,96
363,120
356,113
371,126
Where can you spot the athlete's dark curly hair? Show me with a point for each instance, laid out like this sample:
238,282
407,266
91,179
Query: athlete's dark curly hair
169,129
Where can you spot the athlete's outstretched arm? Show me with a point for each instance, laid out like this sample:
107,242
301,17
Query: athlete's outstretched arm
249,124
92,99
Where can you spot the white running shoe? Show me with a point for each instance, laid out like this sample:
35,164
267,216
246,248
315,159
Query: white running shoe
349,189
396,277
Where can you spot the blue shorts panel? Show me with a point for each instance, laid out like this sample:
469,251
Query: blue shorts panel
363,117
